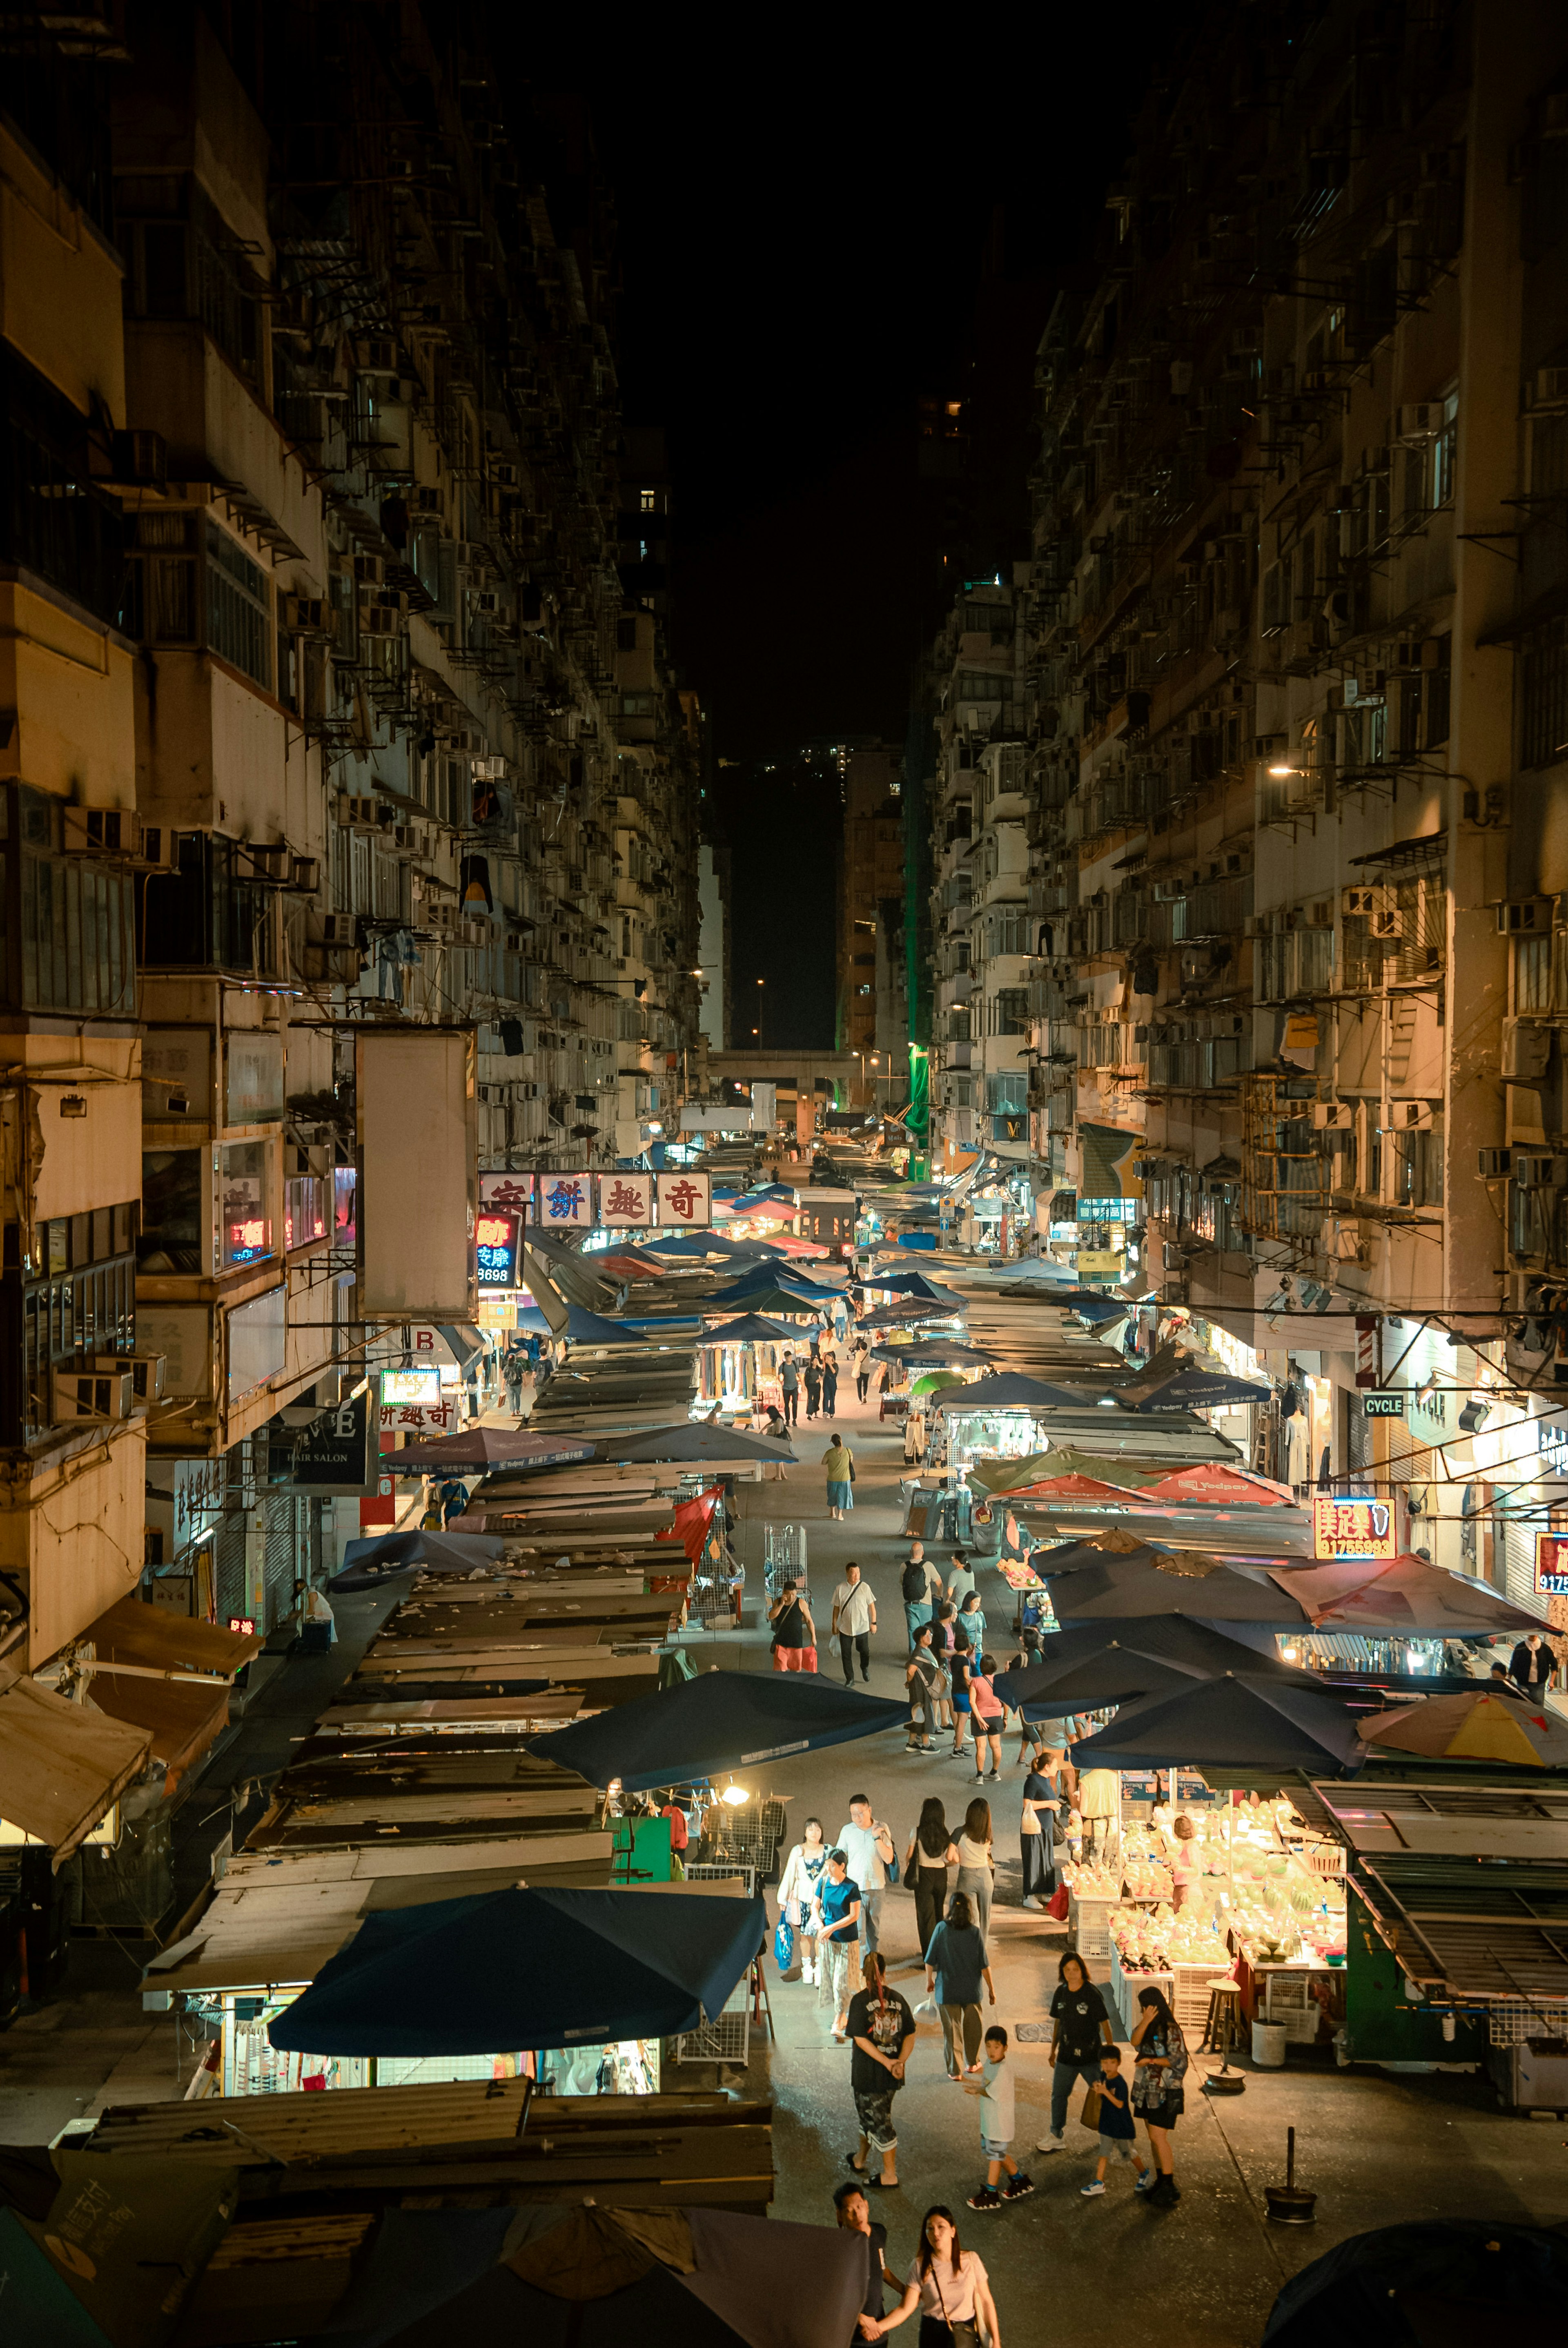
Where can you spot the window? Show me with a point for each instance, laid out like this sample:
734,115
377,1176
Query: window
1012,1011
1007,1092
52,518
647,500
246,1226
1532,974
304,1209
173,1212
1543,685
239,620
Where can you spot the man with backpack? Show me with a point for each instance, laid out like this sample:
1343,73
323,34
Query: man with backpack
920,1590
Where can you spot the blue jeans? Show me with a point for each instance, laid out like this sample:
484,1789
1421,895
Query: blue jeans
914,1616
1063,2075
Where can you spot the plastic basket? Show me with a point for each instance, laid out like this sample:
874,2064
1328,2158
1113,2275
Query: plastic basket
1512,2021
1190,1996
1088,1922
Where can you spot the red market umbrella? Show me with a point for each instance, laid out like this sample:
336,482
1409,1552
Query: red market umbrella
1405,1594
1070,1487
1211,1480
480,1448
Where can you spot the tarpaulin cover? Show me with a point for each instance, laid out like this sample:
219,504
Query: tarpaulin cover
1123,1586
510,1971
122,2248
719,1721
368,1562
61,1765
1406,1594
693,1519
717,1245
486,1446
1234,1723
929,1353
1475,1725
915,1284
1478,2279
584,1328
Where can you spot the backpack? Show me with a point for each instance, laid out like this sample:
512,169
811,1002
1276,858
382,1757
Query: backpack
913,1583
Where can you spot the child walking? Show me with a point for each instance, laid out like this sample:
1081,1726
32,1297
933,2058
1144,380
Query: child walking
1118,2133
995,2089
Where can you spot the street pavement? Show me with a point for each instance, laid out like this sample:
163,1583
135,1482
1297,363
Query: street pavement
1378,2148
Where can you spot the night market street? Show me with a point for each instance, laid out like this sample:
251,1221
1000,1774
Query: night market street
1376,2147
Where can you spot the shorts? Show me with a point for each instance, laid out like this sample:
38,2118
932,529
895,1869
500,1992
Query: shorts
1163,2114
995,2150
874,2110
1116,2147
794,1659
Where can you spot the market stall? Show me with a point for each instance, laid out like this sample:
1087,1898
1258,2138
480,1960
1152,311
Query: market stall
737,1363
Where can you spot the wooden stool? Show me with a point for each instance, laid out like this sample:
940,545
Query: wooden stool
1222,2030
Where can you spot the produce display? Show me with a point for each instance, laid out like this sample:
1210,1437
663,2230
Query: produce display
1154,1940
1250,1890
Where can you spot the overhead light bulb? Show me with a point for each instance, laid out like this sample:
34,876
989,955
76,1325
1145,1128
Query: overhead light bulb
1285,770
736,1796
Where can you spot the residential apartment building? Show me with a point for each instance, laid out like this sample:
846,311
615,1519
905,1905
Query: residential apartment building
335,694
871,915
1288,710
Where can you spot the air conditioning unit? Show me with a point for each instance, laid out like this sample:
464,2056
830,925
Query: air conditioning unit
1172,1258
359,814
507,477
1526,1050
147,1372
1409,1117
269,860
304,875
305,615
405,836
159,848
1364,902
1546,389
335,930
376,354
102,1396
101,832
368,570
1334,1117
1534,1172
425,501
332,965
1524,917
140,457
1493,1164
1340,1242
1423,420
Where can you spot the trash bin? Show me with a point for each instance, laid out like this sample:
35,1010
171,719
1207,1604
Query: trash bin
1268,2045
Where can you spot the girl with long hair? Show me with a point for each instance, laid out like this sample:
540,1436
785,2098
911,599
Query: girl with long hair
925,1866
976,1864
797,1892
951,2288
1159,2097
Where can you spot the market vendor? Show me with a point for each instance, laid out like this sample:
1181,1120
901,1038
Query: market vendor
1184,1866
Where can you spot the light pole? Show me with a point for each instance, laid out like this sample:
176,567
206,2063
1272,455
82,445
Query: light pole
757,1031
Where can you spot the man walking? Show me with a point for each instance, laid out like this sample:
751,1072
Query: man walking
920,1590
790,1384
867,1844
854,1620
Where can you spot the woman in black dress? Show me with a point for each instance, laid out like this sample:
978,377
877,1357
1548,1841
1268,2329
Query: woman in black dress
829,1388
1036,1838
925,1866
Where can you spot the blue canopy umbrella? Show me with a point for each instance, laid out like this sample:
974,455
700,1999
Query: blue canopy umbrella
779,1271
770,1294
719,1721
368,1562
934,1354
751,1329
1122,1587
1009,1390
705,1244
507,1971
690,1440
915,1284
585,1328
1191,1389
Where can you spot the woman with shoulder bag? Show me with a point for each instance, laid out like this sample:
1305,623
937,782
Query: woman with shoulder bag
803,1872
950,2287
1159,2097
925,1866
976,1862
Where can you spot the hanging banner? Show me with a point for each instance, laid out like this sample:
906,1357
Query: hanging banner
685,1198
564,1202
497,1239
627,1199
417,1189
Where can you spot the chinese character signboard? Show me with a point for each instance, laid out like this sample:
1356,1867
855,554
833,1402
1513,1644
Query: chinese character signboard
625,1198
496,1240
684,1198
509,1194
1552,1565
1354,1527
564,1202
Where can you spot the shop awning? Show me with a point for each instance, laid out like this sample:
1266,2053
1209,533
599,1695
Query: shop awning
368,1563
525,1969
181,1719
150,1638
719,1722
62,1765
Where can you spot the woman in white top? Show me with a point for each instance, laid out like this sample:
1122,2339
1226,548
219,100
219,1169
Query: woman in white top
947,2284
803,1872
977,1868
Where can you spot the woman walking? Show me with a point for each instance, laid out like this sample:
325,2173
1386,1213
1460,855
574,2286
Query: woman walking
798,1893
972,1620
829,1386
1037,1835
985,1711
1159,2097
1081,2031
976,1867
925,1866
958,1673
839,1462
794,1633
862,1357
957,1963
950,2287
945,1632
881,2033
812,1378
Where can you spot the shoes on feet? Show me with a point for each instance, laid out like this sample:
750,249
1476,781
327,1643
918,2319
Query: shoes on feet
1089,2190
1017,2187
1147,2182
1052,2144
985,2200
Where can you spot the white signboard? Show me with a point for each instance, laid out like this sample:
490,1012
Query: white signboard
685,1198
565,1202
418,1192
625,1198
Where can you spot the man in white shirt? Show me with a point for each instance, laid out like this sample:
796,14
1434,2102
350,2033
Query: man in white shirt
854,1620
867,1844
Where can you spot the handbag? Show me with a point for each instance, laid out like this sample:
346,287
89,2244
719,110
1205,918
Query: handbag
784,1945
851,1471
941,2332
1088,2117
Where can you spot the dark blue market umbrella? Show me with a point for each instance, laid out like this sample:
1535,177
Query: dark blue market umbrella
585,1328
1415,2286
1190,1390
681,1244
509,1970
935,1354
1237,1722
690,1440
719,1721
1120,1587
1009,1390
770,1294
751,1329
368,1562
1117,1663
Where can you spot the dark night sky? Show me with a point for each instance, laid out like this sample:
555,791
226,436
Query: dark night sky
808,243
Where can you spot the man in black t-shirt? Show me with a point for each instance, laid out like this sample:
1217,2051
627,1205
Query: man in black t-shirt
1080,2027
881,2031
855,2218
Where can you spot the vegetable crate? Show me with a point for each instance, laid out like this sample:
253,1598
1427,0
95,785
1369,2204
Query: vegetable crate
1088,1921
1287,1998
1190,1997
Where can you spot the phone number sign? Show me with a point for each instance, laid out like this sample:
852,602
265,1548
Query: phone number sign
1352,1526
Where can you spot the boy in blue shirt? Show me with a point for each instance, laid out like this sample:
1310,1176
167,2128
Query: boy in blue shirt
1118,2131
